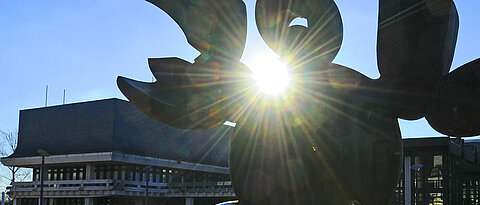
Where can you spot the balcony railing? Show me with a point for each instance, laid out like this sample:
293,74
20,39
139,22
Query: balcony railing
122,187
65,185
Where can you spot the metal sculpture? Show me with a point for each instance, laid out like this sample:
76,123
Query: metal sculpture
333,137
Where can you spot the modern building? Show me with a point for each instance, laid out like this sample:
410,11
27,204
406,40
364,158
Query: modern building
440,170
107,152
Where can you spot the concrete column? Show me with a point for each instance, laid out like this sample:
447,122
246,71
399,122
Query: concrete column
90,171
408,180
14,201
188,201
88,201
89,174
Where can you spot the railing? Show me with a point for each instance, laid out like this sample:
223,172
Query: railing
65,185
185,187
123,187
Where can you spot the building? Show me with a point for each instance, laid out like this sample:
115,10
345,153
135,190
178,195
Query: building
104,152
439,170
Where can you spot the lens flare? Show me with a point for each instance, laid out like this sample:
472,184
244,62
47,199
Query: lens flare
271,75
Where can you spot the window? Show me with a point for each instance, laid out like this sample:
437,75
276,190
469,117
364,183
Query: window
67,174
437,161
108,172
137,174
55,174
60,174
74,174
115,172
81,173
49,174
157,175
123,170
36,174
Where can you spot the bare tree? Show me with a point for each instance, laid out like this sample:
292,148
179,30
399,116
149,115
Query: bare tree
9,142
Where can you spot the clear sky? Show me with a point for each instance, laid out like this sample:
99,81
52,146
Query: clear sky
82,46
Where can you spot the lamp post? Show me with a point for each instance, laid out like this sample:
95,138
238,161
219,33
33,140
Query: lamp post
416,167
147,168
44,154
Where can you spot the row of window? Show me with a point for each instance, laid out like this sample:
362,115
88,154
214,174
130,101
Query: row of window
155,174
129,172
61,173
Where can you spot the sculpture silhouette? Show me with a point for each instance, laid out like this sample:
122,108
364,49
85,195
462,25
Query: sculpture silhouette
333,137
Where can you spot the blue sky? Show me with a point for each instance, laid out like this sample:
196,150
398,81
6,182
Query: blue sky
82,46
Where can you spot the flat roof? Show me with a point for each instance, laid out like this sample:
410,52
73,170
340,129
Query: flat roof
116,125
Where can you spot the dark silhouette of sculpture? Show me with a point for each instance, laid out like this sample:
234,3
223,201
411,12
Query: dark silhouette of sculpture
186,95
334,137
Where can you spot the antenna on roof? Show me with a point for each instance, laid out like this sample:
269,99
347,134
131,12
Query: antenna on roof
64,96
46,95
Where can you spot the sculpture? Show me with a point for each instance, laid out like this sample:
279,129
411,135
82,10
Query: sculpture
333,138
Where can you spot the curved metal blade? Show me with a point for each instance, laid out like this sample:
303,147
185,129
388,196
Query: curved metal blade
218,29
345,78
316,45
169,71
187,96
455,110
184,108
416,43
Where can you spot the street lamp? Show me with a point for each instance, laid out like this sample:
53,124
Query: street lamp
44,154
147,168
416,167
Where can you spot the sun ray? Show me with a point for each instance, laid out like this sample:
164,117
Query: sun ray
271,75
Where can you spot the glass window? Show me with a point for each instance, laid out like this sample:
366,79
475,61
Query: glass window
36,174
62,175
115,172
101,173
67,173
157,177
108,172
74,173
81,173
130,174
49,174
437,161
123,173
108,175
55,174
137,174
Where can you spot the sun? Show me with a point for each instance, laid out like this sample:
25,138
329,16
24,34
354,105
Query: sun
271,75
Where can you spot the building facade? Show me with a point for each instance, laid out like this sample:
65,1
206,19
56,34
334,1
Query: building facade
439,170
107,152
